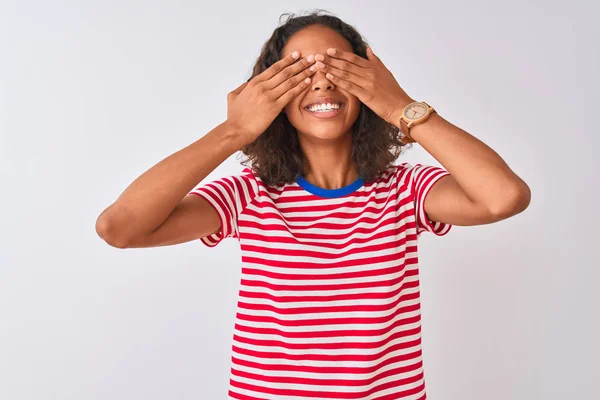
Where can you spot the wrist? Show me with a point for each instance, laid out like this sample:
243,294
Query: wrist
231,135
433,119
400,106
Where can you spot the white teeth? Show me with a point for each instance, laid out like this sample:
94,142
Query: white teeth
325,107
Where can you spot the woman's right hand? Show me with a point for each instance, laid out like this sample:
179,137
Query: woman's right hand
255,104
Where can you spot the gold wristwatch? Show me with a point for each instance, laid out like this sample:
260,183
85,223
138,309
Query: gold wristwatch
413,114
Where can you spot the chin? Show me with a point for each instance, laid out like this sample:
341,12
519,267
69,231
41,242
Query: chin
324,132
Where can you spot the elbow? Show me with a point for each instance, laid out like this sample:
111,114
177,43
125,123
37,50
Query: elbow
516,201
105,228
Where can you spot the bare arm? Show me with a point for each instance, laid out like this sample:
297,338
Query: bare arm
157,194
154,210
481,187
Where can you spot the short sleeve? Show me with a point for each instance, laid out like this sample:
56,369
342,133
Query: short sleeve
229,196
420,179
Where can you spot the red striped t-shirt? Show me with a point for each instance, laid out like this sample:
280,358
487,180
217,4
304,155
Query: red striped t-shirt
328,305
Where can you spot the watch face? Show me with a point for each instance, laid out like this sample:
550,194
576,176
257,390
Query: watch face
415,111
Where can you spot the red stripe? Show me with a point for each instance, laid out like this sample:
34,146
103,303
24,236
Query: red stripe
327,309
341,275
334,297
326,381
239,396
324,346
340,358
324,287
334,395
340,369
332,333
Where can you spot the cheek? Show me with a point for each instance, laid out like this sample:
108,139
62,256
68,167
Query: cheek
294,103
293,107
289,110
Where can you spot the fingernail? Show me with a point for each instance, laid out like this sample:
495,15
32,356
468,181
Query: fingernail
295,54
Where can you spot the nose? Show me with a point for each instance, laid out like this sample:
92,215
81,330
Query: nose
320,82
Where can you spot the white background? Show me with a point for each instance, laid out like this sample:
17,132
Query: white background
93,93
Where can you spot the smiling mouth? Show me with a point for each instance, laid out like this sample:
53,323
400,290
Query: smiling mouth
326,113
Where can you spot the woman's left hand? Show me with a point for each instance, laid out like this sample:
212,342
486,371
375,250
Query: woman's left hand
369,80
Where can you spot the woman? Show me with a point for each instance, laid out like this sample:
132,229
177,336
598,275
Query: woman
328,225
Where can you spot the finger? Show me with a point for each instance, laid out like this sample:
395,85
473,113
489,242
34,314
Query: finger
343,73
289,72
291,82
349,86
371,55
277,67
348,56
342,64
290,94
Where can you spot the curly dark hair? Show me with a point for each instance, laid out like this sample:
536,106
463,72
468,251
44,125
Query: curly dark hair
276,156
